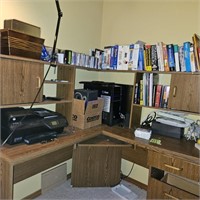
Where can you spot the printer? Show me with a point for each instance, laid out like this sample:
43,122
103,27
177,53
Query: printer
30,125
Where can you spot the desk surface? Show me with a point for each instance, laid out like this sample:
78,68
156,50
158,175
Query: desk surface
21,161
179,147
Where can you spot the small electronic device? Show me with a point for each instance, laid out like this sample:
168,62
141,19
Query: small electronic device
86,94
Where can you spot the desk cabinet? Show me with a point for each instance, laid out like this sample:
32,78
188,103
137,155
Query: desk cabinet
184,172
20,81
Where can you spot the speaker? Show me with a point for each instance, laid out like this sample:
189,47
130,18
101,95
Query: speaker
87,95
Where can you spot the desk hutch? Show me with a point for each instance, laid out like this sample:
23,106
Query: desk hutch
20,80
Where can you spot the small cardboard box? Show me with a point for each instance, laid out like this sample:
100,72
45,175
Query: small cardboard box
87,114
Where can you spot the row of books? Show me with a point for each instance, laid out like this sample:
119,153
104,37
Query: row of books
139,56
155,57
148,93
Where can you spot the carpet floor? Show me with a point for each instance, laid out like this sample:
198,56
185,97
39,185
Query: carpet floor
66,191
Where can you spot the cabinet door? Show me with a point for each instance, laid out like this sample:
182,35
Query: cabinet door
20,81
185,93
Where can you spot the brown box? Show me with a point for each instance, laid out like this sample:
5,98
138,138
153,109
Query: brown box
22,27
182,183
19,44
86,116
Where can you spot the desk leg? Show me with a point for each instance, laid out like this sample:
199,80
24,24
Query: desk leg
6,180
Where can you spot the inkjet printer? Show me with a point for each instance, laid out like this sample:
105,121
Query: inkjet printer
30,125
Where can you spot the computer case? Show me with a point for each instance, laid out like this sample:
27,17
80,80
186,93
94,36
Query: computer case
116,101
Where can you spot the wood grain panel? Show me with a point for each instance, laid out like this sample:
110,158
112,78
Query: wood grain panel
34,166
174,165
160,190
22,79
6,181
136,155
185,93
96,166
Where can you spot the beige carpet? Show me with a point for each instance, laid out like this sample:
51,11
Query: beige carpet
65,191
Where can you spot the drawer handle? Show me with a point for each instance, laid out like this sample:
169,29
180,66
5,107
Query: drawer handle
172,197
38,82
174,91
172,167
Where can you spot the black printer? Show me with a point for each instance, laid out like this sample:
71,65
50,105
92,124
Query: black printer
30,125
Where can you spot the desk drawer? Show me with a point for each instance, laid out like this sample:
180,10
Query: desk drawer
158,189
174,165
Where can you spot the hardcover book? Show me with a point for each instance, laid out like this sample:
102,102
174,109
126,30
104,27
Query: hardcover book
196,43
186,50
170,56
176,57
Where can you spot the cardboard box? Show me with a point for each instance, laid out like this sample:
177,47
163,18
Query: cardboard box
19,44
22,27
87,114
182,183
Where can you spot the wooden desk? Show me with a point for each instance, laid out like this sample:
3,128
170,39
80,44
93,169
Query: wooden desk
22,161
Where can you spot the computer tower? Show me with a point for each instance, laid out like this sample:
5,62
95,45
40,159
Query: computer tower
112,95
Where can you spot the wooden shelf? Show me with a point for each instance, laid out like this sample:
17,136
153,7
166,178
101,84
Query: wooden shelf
46,102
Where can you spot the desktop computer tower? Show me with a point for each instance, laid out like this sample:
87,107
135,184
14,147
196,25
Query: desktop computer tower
112,95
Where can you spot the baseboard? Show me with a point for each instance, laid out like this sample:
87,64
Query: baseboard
33,195
137,183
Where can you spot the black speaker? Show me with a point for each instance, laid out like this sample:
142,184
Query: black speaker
87,95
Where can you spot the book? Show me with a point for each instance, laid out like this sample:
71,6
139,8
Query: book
141,92
160,56
135,56
115,57
196,43
165,96
176,57
130,62
141,58
192,59
181,59
147,57
137,94
123,57
170,57
154,58
165,57
158,95
107,57
186,50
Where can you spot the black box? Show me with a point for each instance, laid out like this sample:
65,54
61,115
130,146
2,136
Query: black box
167,130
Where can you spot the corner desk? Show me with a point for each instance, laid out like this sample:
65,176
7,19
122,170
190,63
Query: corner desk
176,157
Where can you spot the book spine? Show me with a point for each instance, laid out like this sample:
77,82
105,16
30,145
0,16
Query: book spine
141,92
130,62
158,94
186,49
115,57
165,58
141,58
135,56
120,57
181,59
160,56
192,61
165,96
170,56
154,58
136,94
147,57
176,57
